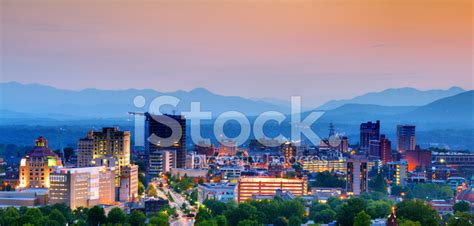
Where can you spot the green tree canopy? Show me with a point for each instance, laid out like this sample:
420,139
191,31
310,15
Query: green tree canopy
461,206
57,216
417,211
116,215
362,219
96,216
137,218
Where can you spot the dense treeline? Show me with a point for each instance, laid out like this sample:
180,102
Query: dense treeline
60,214
347,212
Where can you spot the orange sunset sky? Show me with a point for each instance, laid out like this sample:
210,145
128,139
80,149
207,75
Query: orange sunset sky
318,49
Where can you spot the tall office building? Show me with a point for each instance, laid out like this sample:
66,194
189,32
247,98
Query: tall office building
110,142
289,151
369,131
380,149
357,174
406,138
344,146
385,149
36,166
157,129
374,149
82,187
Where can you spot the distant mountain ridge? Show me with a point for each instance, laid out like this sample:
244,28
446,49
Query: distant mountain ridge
94,103
395,97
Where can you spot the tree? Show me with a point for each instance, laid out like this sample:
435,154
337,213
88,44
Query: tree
161,219
116,215
461,206
141,188
417,211
243,211
324,216
378,184
247,223
216,207
362,219
294,221
334,203
433,191
327,179
221,220
379,209
151,191
96,216
347,212
58,217
280,221
210,222
404,222
11,215
461,219
80,213
137,218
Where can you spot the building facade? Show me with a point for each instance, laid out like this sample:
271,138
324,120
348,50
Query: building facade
398,172
318,166
222,192
106,144
37,165
357,174
406,138
82,187
161,161
268,186
369,131
158,128
128,183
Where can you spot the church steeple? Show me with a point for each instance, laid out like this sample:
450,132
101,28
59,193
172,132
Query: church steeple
392,218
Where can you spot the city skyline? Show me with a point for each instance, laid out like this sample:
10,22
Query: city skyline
304,48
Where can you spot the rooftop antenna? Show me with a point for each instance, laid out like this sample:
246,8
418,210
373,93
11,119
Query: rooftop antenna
331,129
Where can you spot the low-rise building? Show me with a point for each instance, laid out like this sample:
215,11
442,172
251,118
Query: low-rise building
82,187
223,192
128,183
264,186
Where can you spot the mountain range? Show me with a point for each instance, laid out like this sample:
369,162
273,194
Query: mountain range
34,100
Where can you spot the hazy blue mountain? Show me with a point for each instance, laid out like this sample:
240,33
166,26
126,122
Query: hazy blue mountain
395,97
94,103
457,108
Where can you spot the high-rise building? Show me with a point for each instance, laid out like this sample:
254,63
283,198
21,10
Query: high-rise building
357,174
85,150
385,149
128,183
268,186
108,143
158,128
36,166
369,131
406,138
82,187
374,149
344,146
289,151
398,172
161,161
